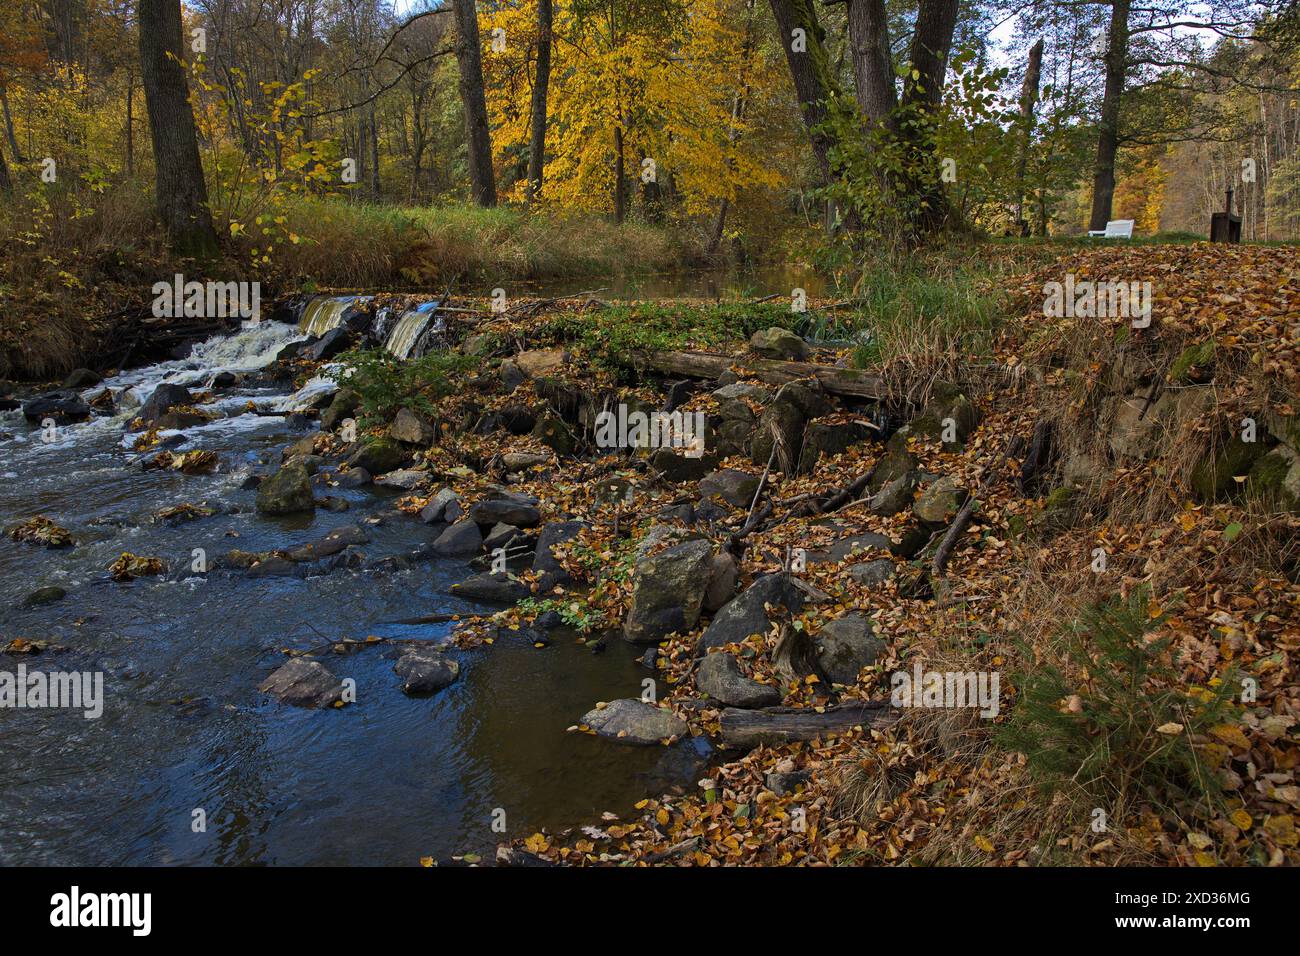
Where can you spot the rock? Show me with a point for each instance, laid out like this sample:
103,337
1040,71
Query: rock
631,721
518,419
872,573
331,503
737,488
894,496
746,614
677,466
786,783
949,413
328,345
846,645
549,572
848,547
784,420
779,343
722,581
354,478
303,683
287,491
505,511
939,502
808,396
404,479
45,595
514,461
343,405
312,463
1081,469
81,378
499,588
163,399
719,675
552,432
480,343
668,592
459,539
540,362
379,455
337,540
225,379
436,507
412,428
425,670
510,375
500,536
1275,478
757,393
303,446
911,543
64,407
820,438
1214,477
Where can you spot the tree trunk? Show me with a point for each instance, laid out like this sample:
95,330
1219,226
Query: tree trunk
873,71
808,70
931,43
9,128
1103,176
6,184
478,135
130,125
1028,100
374,156
719,227
620,204
537,136
181,192
776,726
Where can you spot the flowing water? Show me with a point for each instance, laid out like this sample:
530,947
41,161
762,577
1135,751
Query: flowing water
184,728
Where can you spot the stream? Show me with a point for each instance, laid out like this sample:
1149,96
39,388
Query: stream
184,728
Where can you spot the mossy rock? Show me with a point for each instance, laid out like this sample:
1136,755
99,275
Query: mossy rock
1193,364
1215,476
1275,478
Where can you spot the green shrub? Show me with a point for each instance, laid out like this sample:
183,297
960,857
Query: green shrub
386,384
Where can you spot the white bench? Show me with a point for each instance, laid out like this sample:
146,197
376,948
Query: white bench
1115,229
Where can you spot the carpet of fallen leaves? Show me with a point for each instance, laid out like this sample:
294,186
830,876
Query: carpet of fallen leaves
921,791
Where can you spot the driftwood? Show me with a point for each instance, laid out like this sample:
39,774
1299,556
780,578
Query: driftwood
795,655
839,381
782,725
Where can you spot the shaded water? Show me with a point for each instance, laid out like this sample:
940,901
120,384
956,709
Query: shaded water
384,781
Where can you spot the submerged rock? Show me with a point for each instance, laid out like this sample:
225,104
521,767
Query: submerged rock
425,670
286,492
164,398
303,683
498,588
630,721
64,407
458,540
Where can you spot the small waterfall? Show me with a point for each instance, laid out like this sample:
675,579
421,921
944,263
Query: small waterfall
327,312
407,335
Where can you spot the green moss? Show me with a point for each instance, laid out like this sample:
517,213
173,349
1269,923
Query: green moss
1192,357
1059,497
1214,477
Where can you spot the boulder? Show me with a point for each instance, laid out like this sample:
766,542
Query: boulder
337,540
287,491
846,645
747,614
894,496
82,378
514,461
631,721
538,362
64,407
737,488
343,405
435,508
1275,478
939,502
498,588
668,592
779,343
849,546
821,438
512,511
458,540
782,422
1214,476
403,479
500,536
552,432
328,345
949,413
412,429
549,572
379,455
721,588
757,393
164,398
425,670
676,466
510,375
719,675
354,478
872,573
303,683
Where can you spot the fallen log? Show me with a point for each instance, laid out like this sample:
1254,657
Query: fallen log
852,382
745,729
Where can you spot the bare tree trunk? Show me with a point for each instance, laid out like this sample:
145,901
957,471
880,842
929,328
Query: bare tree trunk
1028,100
873,71
478,135
1103,176
542,80
6,184
374,155
9,128
931,43
719,227
181,192
620,204
130,124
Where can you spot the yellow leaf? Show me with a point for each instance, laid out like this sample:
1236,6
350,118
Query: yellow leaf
1241,819
983,843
